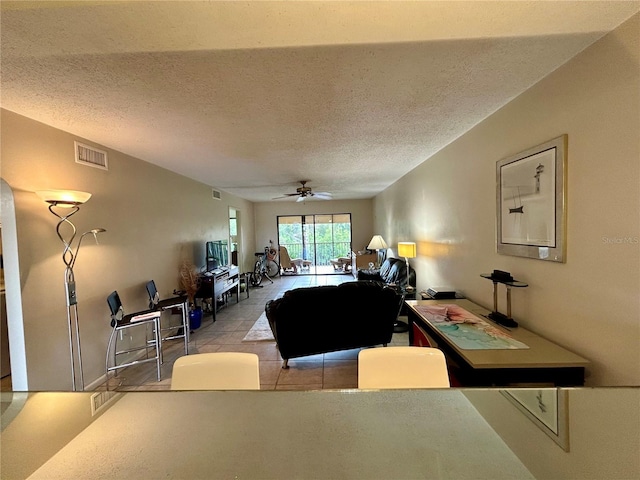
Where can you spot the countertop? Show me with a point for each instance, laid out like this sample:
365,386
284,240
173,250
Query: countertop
242,435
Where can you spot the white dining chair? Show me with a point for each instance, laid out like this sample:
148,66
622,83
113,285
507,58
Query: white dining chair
402,367
216,371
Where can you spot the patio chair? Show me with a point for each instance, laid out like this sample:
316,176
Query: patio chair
291,265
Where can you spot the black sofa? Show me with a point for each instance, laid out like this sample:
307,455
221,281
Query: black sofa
308,321
393,271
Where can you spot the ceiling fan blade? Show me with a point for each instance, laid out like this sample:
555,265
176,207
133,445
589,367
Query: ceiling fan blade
286,195
323,196
300,199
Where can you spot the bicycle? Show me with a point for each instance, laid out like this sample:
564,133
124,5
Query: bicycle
265,266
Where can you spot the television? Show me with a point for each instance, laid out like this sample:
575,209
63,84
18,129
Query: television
217,254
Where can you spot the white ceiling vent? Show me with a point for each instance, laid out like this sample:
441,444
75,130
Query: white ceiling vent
216,194
91,156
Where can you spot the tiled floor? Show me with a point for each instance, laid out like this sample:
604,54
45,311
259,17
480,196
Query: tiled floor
336,370
5,384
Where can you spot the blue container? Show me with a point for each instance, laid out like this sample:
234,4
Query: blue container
195,318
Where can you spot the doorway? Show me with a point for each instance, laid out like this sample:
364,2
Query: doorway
234,237
5,358
13,289
320,239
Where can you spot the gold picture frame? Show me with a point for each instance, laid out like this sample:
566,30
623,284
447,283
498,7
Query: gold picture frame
531,202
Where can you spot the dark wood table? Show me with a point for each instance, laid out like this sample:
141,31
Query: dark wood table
544,362
218,282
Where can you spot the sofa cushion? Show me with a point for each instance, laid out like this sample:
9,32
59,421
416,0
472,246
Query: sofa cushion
386,267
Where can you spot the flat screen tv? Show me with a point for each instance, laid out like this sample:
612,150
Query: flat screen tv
217,254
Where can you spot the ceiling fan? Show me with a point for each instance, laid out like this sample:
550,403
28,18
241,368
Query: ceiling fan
304,192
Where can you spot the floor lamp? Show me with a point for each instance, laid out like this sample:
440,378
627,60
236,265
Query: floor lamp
63,204
377,243
406,250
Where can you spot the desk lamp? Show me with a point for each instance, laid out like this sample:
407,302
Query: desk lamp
407,250
377,243
69,201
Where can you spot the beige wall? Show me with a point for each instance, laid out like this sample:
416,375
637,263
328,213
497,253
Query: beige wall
590,303
603,433
361,218
153,217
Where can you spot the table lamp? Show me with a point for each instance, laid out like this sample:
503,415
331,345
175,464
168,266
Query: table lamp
377,243
407,250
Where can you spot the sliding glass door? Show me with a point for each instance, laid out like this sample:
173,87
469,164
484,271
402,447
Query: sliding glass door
317,238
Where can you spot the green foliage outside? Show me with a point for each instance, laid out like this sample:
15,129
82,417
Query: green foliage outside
331,240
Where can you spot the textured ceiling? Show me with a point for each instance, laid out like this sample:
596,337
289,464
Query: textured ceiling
251,97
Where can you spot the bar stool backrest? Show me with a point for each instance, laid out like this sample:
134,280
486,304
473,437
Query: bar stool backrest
115,305
402,367
216,371
154,298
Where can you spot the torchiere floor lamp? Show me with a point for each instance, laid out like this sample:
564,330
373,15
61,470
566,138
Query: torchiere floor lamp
70,201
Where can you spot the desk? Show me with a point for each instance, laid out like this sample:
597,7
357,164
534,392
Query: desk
262,435
543,362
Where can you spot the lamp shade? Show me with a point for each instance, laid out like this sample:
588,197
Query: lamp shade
407,249
64,197
377,242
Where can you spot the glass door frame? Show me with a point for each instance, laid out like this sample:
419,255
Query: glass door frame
308,248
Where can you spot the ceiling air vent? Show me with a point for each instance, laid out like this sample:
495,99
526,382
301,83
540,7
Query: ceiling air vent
91,156
216,194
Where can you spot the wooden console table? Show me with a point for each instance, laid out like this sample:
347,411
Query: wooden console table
543,362
219,283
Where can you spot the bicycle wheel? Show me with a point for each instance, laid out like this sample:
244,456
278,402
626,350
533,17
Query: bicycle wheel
256,275
272,268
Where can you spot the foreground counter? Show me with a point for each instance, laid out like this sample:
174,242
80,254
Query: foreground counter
345,434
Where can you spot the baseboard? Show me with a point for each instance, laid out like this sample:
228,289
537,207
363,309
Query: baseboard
103,378
96,383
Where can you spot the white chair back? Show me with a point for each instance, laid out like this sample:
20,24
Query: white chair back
402,367
216,371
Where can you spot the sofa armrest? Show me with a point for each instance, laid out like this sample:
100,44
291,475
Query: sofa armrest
271,319
372,275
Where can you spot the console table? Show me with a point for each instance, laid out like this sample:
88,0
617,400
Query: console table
543,362
219,282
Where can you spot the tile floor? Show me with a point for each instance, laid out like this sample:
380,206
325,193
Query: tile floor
336,370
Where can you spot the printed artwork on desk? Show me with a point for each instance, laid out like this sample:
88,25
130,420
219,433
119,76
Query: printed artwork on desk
466,330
